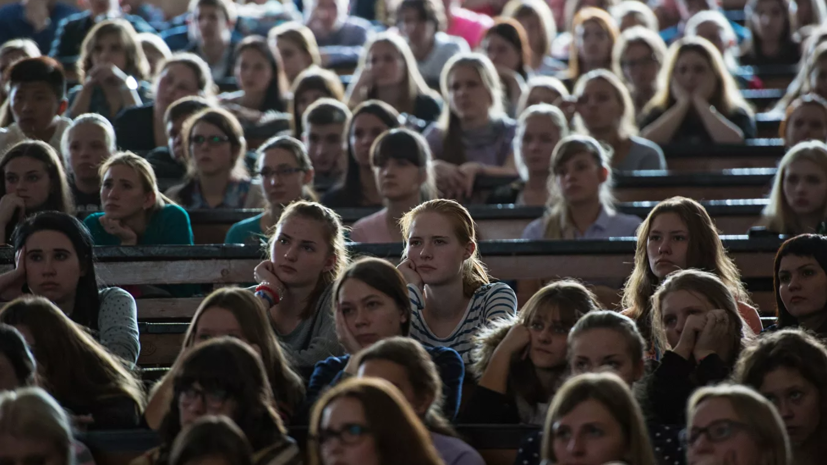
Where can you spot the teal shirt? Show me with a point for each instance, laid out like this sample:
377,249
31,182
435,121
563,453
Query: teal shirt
169,226
247,232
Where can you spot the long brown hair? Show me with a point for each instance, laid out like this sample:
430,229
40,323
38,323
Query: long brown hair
137,65
385,278
227,123
60,195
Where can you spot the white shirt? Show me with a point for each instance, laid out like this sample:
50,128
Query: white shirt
13,134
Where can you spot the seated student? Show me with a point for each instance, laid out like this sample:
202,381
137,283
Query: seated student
287,176
703,106
605,111
637,58
134,211
214,149
407,365
545,89
168,161
742,425
261,84
306,256
401,165
325,124
772,35
236,313
10,53
73,31
421,23
629,14
798,202
340,36
368,408
371,304
37,99
679,234
580,202
295,44
34,182
112,69
800,272
211,439
37,21
695,320
713,26
156,51
520,362
86,144
449,286
312,84
789,368
474,135
805,119
606,340
358,189
507,46
81,374
225,376
17,365
387,72
581,404
110,313
215,41
142,129
537,20
595,33
34,428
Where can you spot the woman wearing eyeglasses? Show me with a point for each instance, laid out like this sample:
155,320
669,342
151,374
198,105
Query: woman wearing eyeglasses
367,421
214,150
286,174
734,425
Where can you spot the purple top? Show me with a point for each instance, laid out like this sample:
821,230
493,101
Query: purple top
454,451
489,145
608,224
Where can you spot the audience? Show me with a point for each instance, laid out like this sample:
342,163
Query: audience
86,145
169,161
214,21
34,428
211,439
540,28
799,273
295,44
507,46
311,85
637,58
340,37
422,24
804,120
325,124
713,26
772,39
37,21
261,81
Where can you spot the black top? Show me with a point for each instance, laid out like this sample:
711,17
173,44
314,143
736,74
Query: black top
337,197
506,194
85,203
789,55
165,166
427,107
134,128
486,406
692,130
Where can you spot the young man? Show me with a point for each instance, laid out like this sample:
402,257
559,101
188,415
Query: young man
340,37
213,22
168,162
325,125
421,22
37,98
33,19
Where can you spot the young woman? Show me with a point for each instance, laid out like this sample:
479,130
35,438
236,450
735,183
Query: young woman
594,419
34,428
93,385
797,202
408,366
286,173
520,362
387,71
606,340
537,20
448,284
55,260
215,148
17,365
799,278
261,82
401,164
595,33
86,144
134,212
773,38
637,57
804,120
679,234
307,256
211,439
34,182
296,45
311,85
507,46
580,203
539,129
236,313
701,103
225,376
545,89
605,111
695,319
371,303
141,129
112,69
368,421
737,425
473,136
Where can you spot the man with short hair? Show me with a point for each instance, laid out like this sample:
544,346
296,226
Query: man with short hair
325,125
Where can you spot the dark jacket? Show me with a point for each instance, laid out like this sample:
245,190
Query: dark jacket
135,129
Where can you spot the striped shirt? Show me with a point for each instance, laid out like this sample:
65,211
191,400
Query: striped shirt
490,302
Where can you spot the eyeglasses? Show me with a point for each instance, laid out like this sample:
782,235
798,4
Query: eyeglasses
212,398
350,433
646,61
282,173
717,431
212,141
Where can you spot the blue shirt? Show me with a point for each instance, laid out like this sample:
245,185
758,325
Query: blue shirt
247,232
168,226
606,226
13,25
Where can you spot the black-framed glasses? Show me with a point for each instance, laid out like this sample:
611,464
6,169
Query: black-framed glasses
349,433
212,141
717,431
267,173
214,398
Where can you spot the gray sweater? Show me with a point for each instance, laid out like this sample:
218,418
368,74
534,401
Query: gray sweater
314,339
644,155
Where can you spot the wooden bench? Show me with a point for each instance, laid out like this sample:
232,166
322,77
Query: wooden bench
756,153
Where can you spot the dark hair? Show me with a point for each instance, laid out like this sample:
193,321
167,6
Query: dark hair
87,301
404,144
39,69
184,107
227,123
385,278
297,149
13,347
273,97
755,47
512,31
352,185
226,6
211,436
805,245
326,111
318,79
431,11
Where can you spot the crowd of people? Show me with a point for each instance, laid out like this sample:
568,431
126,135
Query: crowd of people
117,120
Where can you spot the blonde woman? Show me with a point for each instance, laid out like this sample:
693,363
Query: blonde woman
798,202
536,18
637,58
34,428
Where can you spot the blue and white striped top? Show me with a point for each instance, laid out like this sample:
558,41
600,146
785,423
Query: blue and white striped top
490,302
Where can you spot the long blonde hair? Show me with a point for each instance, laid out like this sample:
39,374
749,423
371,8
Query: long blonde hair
627,126
777,216
554,116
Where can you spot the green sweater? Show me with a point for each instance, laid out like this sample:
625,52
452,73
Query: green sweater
168,226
